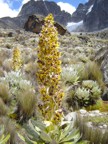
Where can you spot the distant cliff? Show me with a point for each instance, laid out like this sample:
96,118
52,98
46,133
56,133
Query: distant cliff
94,15
97,19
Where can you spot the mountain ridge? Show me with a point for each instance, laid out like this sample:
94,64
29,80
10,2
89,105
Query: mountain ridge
93,14
36,7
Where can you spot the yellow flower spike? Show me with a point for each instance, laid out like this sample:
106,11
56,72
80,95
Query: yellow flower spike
49,70
16,59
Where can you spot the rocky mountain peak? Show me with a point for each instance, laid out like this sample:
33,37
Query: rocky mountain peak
44,8
81,11
90,2
94,15
97,19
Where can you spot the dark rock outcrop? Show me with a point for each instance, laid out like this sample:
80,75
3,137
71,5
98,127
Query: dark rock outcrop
35,22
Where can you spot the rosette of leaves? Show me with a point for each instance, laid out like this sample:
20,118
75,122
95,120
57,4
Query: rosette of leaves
85,94
89,84
82,97
69,75
48,133
90,98
95,90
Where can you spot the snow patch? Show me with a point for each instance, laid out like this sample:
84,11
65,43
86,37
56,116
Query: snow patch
73,26
90,9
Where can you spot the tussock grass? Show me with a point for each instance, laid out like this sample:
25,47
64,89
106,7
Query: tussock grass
82,71
1,72
91,71
4,92
3,108
27,103
7,65
94,70
92,134
31,68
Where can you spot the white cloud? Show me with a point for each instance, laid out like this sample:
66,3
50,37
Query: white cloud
66,7
25,1
5,10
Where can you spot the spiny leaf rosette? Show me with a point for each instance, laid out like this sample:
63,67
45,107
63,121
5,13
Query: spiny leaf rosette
49,70
16,59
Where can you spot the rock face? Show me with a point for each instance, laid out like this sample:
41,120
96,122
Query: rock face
36,7
98,18
81,11
103,58
94,14
35,22
101,55
13,23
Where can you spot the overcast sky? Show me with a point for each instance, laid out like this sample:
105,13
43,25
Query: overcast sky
12,7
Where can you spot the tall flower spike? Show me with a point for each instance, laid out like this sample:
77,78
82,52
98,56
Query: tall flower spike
16,59
49,70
